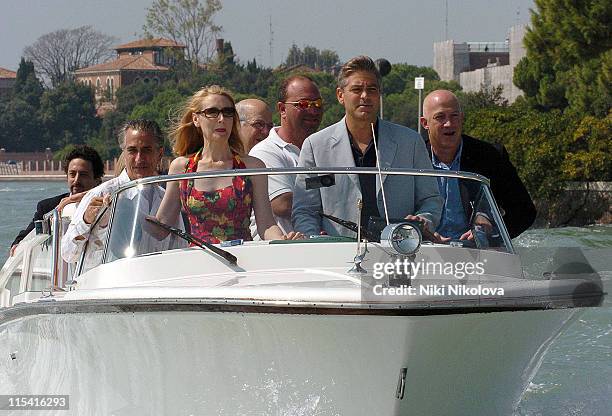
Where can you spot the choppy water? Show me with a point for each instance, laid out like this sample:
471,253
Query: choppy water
575,377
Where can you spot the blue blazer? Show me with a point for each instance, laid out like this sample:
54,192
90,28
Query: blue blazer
399,147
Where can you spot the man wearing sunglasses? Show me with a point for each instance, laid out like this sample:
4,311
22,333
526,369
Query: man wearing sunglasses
350,142
255,122
301,109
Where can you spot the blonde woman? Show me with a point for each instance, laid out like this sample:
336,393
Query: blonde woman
206,138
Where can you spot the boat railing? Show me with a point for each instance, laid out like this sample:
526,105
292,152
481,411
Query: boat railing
306,171
36,269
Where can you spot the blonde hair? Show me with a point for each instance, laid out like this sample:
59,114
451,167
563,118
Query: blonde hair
187,139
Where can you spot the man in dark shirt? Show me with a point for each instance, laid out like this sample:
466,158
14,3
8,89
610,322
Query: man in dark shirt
367,183
452,150
84,170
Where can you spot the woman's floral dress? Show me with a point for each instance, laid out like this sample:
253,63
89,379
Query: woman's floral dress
220,215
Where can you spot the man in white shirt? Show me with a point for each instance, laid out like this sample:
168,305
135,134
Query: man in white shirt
141,142
301,109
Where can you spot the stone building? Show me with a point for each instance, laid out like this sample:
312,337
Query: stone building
7,80
481,64
146,59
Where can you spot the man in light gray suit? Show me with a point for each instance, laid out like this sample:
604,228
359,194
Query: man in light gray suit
350,143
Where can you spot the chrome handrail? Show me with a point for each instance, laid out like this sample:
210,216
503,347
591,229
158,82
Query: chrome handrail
304,171
300,171
56,219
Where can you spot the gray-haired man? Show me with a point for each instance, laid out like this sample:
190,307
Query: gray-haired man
255,122
141,142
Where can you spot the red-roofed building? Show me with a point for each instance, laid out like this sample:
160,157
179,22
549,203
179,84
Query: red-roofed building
145,59
7,80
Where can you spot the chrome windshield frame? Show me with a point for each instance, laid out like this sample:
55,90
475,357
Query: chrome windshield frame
305,171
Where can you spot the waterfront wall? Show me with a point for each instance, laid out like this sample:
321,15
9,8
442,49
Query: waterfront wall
42,167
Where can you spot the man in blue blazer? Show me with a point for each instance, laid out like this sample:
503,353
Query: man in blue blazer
350,143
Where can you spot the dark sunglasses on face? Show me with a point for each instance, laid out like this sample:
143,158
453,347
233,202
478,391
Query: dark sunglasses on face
213,112
306,104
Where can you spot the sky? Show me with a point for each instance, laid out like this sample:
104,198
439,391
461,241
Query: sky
399,30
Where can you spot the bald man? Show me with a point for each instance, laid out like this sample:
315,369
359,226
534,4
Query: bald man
451,150
255,122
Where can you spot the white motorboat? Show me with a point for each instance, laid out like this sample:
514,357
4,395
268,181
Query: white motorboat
331,325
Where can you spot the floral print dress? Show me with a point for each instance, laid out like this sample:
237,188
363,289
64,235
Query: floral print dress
220,215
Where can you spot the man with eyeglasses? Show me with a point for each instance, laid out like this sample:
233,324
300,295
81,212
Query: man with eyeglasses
301,109
350,142
255,122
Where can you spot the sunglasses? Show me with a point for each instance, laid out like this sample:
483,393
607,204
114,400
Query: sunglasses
306,104
213,112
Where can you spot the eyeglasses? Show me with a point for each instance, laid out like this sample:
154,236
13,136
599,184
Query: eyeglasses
260,125
214,112
306,104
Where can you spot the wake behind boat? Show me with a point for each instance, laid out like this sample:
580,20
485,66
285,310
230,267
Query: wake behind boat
391,325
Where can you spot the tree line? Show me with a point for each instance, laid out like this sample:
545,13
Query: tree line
559,131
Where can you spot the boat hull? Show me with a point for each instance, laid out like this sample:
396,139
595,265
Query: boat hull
200,361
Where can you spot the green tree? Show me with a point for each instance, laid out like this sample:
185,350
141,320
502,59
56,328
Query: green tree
106,140
68,115
485,98
163,108
20,126
568,57
589,155
312,57
132,95
402,77
27,86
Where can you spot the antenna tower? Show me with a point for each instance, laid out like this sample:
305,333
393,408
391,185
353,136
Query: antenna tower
445,19
270,43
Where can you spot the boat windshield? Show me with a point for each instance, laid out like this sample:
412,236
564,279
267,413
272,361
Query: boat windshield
328,205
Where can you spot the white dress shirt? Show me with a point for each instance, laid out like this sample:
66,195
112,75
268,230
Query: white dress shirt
79,231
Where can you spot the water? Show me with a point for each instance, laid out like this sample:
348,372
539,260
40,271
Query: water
575,377
17,207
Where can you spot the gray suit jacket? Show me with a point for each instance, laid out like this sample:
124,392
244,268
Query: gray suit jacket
399,147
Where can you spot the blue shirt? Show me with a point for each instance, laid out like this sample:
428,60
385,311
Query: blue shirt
453,222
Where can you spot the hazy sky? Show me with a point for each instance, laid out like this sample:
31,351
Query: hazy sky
401,31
